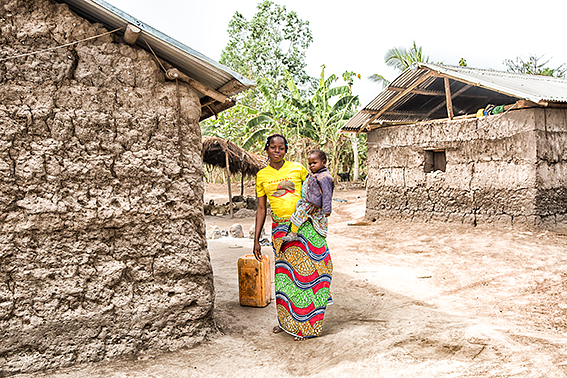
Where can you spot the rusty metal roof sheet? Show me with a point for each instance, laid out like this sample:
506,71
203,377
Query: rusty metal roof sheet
191,62
418,94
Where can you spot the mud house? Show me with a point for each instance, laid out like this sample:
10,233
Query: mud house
102,244
467,145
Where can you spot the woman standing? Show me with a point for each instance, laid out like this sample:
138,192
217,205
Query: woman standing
303,268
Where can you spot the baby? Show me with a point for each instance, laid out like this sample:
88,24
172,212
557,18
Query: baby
316,197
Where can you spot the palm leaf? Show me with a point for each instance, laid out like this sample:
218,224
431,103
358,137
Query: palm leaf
379,79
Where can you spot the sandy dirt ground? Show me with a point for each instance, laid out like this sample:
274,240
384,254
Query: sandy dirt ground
411,300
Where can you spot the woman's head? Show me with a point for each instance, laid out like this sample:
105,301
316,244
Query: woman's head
271,138
276,147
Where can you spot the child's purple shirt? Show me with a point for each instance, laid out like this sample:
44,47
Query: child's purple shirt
320,190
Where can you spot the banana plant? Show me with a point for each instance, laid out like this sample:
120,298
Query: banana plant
275,115
324,114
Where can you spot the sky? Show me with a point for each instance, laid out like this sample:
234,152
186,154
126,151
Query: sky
354,35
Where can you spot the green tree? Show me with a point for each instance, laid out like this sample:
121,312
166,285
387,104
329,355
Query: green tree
313,122
401,59
274,115
325,113
273,41
534,66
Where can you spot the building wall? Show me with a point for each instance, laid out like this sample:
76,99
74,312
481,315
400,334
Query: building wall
102,242
490,173
551,200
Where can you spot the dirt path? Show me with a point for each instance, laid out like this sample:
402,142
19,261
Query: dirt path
411,300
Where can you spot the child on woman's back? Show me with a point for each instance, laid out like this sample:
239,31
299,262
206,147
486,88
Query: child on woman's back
316,197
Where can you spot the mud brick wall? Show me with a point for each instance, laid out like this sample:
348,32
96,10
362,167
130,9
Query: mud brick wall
551,199
506,169
102,242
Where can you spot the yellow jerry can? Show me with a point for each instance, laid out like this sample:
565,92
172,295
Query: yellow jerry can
254,281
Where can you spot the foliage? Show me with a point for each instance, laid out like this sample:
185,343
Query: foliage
273,41
379,79
534,66
402,58
270,49
231,124
325,113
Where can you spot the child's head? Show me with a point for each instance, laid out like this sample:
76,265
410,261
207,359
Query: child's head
317,160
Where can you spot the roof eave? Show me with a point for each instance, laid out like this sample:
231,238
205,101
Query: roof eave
194,64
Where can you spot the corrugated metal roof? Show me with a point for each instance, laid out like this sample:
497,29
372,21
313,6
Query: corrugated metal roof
535,88
471,90
194,64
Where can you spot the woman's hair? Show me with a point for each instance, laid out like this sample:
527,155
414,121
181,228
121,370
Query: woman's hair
272,137
322,155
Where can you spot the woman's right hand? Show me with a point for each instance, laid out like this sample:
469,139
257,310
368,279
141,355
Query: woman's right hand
257,250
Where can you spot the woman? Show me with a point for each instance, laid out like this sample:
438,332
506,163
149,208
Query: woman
303,267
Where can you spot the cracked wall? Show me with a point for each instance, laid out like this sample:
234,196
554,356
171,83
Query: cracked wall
102,245
551,198
504,169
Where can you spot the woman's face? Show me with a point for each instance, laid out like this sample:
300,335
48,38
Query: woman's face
276,150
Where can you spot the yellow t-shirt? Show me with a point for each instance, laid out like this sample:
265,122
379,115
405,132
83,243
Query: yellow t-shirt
283,187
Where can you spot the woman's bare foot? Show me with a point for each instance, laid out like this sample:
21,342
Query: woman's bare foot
277,329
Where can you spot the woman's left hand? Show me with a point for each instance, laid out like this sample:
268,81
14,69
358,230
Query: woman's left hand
312,209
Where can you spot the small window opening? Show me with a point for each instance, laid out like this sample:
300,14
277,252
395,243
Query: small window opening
435,161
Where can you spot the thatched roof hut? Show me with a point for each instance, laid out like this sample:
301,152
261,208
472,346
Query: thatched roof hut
225,154
239,160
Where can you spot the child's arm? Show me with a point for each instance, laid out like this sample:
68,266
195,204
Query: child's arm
327,185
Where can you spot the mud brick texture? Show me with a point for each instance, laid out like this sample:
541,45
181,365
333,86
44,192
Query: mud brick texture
508,169
102,235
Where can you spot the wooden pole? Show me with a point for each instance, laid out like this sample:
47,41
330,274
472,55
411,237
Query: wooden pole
448,99
242,185
228,179
174,73
441,104
131,34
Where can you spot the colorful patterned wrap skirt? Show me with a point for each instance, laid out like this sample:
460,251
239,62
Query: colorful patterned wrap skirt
303,279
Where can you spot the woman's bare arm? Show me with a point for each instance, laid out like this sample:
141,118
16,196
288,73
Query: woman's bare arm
259,225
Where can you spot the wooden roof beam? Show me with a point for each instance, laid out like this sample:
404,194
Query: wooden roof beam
448,99
131,34
174,73
444,103
230,87
394,112
207,101
395,99
423,92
